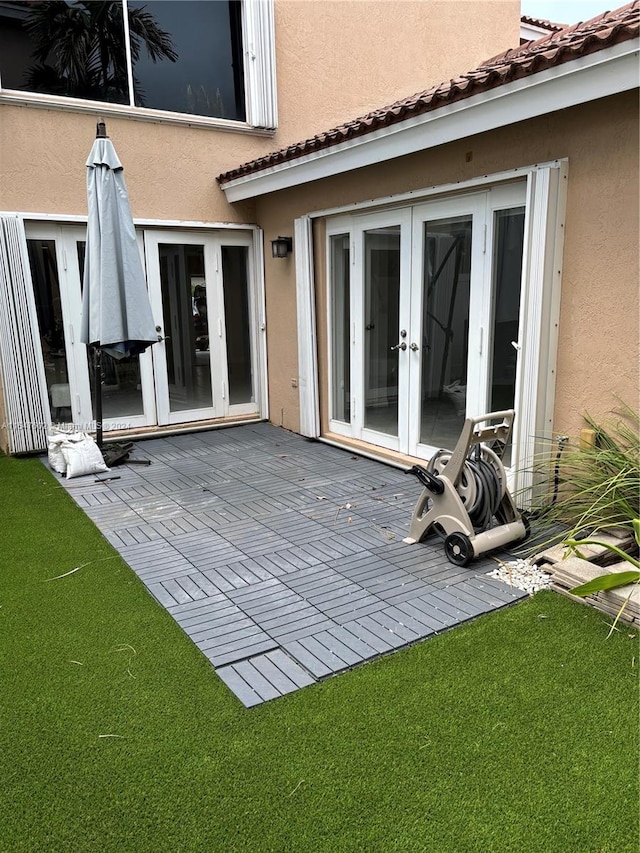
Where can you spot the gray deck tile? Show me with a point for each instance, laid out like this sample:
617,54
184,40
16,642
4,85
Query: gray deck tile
302,628
258,591
329,658
497,587
241,650
195,620
342,650
256,680
290,668
176,591
307,659
280,608
471,609
159,592
483,593
382,631
204,584
273,674
211,604
432,606
193,590
225,637
395,626
422,613
422,629
239,687
362,632
201,625
362,649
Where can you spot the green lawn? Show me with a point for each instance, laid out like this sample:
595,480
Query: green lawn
518,732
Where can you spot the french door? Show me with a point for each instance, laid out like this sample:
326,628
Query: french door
207,362
424,318
206,358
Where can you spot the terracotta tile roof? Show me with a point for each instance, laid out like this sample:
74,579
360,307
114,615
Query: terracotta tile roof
542,23
555,49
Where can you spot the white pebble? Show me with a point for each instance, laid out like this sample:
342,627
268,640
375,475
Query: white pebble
522,575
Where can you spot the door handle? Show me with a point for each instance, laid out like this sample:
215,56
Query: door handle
414,347
402,345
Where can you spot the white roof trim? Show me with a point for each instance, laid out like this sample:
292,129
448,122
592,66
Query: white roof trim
587,78
533,32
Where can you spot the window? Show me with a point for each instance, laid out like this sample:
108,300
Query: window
212,58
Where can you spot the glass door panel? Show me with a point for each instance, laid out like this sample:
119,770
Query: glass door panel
237,321
507,275
186,325
445,329
340,326
381,325
46,289
508,245
122,396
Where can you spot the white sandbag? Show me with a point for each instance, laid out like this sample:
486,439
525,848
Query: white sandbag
56,456
83,457
56,439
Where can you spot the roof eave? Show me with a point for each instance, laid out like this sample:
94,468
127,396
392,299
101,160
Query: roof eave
596,75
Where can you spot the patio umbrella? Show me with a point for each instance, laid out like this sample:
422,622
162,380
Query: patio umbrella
116,313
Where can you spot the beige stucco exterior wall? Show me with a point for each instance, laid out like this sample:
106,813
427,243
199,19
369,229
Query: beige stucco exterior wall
598,336
338,59
335,60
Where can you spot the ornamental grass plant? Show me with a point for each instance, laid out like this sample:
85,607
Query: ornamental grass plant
590,486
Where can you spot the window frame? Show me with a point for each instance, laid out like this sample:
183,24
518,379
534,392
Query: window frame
258,52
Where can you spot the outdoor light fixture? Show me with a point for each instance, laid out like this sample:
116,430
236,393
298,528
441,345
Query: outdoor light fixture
281,247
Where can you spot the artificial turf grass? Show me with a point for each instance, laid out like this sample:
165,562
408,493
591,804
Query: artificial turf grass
515,732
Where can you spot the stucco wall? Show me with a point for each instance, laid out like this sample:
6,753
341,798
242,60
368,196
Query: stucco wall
598,336
338,59
335,60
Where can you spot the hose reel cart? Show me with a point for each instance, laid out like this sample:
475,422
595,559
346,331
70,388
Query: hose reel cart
465,497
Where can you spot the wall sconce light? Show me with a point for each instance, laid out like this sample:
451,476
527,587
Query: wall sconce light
281,247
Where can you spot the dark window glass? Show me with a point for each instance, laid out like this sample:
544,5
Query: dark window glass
505,327
341,326
46,291
57,48
186,54
206,77
235,284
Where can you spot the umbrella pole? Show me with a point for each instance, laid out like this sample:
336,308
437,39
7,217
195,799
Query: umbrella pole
97,384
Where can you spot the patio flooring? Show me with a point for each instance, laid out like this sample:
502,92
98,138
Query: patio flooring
282,558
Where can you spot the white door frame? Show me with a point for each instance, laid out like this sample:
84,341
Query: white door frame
212,243
545,207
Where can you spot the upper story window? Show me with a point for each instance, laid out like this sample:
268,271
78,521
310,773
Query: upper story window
211,58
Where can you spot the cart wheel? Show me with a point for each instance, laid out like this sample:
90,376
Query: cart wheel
458,548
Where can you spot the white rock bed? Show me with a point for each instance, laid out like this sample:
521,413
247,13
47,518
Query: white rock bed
522,575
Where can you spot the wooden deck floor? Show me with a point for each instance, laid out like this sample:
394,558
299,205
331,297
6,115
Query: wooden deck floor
282,558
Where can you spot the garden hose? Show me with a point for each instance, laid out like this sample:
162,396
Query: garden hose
481,484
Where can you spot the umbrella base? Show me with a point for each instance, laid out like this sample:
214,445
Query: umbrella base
118,454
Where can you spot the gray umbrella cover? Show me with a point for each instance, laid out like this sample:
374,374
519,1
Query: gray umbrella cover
116,313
